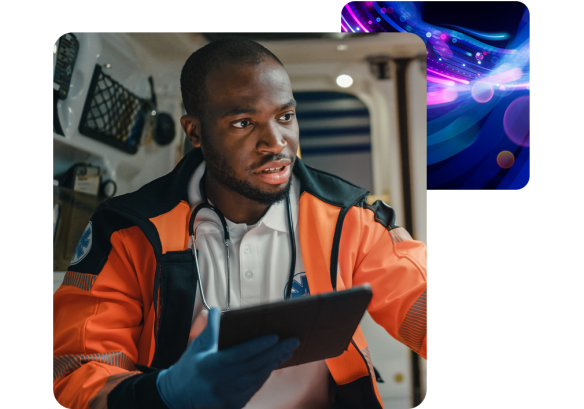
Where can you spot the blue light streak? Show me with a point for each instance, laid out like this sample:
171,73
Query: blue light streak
390,21
348,25
484,36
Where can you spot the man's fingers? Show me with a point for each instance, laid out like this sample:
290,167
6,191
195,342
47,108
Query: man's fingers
268,360
248,349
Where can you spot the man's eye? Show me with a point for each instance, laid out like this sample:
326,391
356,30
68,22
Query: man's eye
241,124
286,117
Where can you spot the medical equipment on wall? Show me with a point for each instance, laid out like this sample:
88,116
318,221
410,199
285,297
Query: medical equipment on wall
112,114
164,127
193,234
66,51
85,178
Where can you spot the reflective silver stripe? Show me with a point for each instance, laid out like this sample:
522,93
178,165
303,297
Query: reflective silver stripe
399,234
79,280
413,329
67,363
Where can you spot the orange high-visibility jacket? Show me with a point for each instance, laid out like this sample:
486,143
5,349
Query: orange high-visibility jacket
124,309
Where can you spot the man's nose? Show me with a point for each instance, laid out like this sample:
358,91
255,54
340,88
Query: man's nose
271,140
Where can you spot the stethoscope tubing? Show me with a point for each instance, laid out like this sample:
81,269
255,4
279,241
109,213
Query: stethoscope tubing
193,235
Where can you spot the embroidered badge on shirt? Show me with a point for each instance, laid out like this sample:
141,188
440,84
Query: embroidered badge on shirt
299,286
83,246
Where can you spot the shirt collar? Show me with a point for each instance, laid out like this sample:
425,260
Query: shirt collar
276,218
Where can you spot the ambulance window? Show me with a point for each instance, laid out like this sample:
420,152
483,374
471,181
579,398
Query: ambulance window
335,135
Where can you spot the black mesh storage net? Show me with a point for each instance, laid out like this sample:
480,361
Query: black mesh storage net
112,114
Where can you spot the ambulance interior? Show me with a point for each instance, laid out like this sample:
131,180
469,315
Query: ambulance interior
361,113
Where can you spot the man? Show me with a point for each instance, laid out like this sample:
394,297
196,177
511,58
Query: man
129,304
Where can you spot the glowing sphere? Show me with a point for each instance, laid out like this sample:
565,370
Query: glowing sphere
502,88
402,18
344,81
370,22
484,52
516,121
378,19
443,36
482,92
383,10
428,34
454,40
505,159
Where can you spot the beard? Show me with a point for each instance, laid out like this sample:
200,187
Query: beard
218,166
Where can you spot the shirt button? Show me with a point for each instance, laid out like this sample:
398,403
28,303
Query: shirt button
248,274
246,249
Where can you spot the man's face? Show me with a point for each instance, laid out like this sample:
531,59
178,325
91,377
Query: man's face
249,131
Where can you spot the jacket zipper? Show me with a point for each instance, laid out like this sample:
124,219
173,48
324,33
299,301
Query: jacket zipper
368,371
337,241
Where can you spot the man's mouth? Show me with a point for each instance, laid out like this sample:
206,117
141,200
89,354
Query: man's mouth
273,170
273,166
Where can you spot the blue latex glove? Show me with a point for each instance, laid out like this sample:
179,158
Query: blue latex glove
205,377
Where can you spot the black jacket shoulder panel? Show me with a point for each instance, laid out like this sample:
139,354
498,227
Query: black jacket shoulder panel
163,194
95,243
327,187
383,214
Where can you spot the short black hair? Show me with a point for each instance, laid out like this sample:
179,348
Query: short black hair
231,49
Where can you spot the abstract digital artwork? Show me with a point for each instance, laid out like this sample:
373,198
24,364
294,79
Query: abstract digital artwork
477,56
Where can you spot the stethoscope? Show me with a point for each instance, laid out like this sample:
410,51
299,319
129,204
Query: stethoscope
193,233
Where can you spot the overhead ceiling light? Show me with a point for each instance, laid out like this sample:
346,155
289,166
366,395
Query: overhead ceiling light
342,47
344,81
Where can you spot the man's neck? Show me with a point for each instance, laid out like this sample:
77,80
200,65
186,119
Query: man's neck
235,207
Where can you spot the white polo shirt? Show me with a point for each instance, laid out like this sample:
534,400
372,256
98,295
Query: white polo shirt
259,271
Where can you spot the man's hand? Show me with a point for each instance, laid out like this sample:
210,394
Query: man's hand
204,377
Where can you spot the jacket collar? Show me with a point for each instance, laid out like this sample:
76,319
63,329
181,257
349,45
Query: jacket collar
325,186
276,218
163,194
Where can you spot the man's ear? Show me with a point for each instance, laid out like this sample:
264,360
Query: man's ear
192,127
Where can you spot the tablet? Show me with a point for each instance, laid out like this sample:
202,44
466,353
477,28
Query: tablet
324,323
